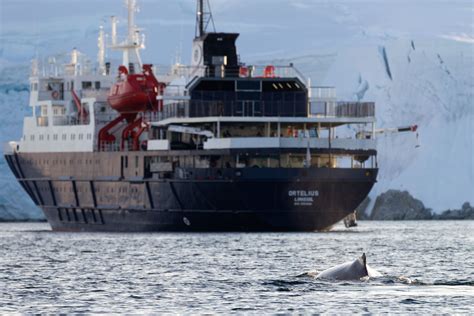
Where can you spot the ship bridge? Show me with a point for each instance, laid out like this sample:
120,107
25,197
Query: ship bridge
265,111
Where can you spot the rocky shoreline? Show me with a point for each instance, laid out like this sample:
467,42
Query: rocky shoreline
395,205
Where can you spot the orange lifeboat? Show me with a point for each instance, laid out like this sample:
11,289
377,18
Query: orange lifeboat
135,93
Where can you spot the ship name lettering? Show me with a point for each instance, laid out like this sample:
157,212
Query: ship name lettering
303,193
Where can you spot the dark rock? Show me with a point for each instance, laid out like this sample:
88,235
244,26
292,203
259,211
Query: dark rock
467,207
466,212
397,205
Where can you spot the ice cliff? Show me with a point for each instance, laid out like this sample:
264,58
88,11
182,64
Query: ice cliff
415,59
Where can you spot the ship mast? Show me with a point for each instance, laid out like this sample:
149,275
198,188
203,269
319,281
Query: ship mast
132,45
204,18
101,53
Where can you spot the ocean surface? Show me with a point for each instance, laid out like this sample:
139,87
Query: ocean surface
46,272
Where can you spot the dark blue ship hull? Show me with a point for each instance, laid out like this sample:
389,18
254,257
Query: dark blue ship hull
252,199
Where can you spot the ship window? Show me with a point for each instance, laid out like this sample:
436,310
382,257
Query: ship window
136,162
126,161
64,136
86,85
248,86
73,136
97,85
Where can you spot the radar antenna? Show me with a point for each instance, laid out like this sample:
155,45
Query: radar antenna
204,18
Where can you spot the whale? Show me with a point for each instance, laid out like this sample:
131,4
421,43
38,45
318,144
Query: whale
350,271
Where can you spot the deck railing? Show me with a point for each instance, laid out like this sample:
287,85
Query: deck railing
323,93
342,109
235,109
250,71
185,109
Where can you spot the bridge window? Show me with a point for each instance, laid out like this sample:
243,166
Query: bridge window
86,85
248,86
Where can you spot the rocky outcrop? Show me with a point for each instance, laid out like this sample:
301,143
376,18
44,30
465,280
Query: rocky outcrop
466,212
397,205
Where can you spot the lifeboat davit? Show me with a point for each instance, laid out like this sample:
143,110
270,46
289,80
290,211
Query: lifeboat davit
135,93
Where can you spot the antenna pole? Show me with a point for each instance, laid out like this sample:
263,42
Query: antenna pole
101,54
131,19
203,17
200,17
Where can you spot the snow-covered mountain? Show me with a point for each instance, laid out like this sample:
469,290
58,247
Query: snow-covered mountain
414,58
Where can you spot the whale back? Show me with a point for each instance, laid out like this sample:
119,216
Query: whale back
352,270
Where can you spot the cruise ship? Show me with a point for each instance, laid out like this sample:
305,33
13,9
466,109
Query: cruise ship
219,145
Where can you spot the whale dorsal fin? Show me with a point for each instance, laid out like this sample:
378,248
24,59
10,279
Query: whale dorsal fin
364,261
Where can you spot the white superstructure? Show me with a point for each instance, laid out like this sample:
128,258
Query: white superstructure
60,85
69,102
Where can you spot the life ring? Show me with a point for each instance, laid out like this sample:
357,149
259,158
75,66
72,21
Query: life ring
269,72
55,95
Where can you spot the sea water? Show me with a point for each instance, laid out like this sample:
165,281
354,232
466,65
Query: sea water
428,267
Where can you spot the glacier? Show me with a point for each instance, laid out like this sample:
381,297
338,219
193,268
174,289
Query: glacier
415,59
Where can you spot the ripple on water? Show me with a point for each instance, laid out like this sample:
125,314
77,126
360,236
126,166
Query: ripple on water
44,272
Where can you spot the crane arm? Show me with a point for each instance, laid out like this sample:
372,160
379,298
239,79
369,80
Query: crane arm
412,128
